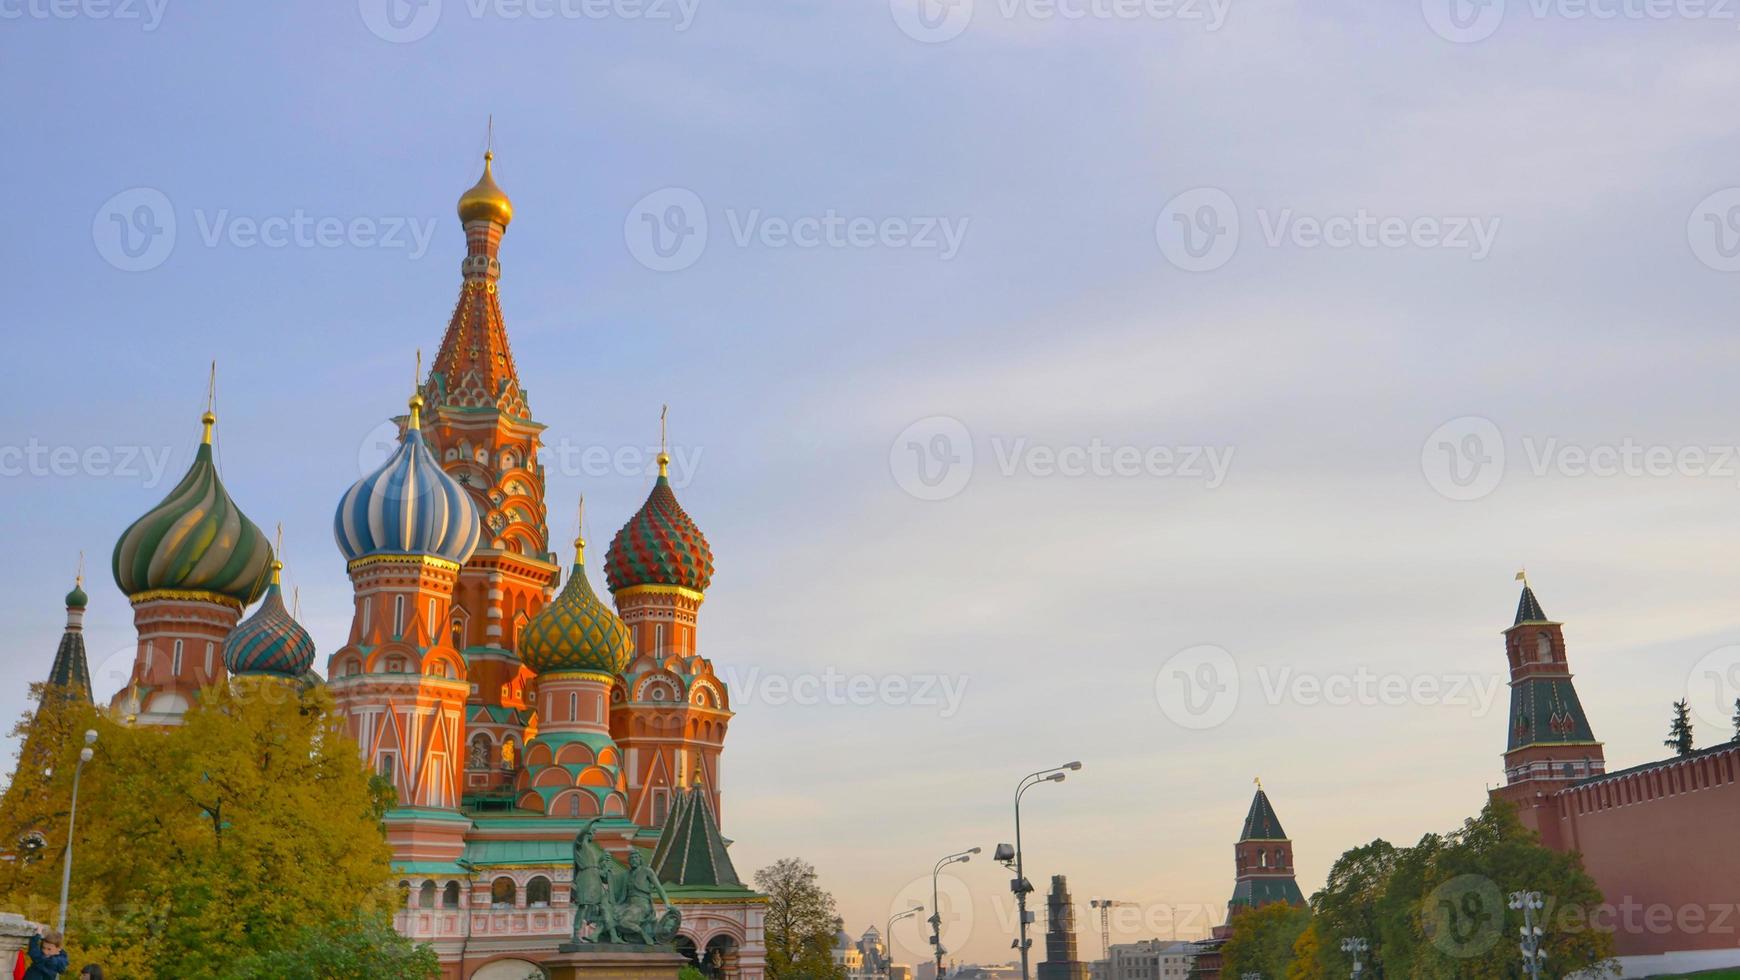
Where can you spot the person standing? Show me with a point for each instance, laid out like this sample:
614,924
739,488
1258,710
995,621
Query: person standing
47,959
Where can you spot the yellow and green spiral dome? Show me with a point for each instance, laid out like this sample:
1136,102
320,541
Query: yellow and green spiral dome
576,631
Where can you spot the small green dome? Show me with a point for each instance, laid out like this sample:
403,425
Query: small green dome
195,540
576,631
76,599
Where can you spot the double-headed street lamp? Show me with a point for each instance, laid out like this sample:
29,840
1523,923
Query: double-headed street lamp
1354,947
72,822
1529,903
888,937
936,904
1011,856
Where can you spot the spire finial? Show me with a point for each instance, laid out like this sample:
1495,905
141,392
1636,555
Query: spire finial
208,419
79,578
417,394
278,553
1259,781
489,140
664,457
1523,577
580,532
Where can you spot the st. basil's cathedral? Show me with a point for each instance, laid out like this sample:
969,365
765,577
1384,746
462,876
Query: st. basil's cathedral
508,709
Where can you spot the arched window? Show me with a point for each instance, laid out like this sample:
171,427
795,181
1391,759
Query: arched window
538,893
367,610
398,615
1544,648
456,632
573,706
426,895
1262,858
175,661
574,806
210,650
503,893
352,668
405,893
450,895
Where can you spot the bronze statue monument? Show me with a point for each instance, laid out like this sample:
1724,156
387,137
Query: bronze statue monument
613,905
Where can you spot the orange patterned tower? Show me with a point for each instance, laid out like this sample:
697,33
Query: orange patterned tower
669,710
190,566
405,531
480,428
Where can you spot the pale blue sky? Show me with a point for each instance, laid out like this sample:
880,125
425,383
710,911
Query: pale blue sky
1051,146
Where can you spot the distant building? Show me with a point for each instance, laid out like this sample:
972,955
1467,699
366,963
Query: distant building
1152,959
865,958
1062,961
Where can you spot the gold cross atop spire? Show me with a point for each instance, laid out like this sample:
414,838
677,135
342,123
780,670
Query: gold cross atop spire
580,532
79,579
1523,577
278,554
208,419
1259,781
417,394
664,457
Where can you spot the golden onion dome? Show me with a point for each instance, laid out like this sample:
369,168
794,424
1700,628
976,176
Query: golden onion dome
485,201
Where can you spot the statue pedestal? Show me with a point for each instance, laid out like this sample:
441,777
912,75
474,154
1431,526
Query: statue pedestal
586,961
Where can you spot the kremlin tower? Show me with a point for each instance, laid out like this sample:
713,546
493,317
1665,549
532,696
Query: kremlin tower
577,646
189,566
1551,745
669,710
478,425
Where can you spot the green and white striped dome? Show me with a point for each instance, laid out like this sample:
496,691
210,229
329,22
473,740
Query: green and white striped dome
196,540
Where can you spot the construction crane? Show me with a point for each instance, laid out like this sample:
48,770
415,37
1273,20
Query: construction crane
1105,905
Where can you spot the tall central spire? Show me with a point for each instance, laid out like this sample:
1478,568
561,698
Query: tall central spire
475,367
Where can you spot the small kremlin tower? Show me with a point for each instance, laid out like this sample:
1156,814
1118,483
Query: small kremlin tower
189,566
406,530
70,676
1551,745
1263,875
669,710
576,645
479,426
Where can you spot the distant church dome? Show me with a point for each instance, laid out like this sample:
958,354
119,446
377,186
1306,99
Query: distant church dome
409,506
576,631
660,544
195,540
485,201
270,641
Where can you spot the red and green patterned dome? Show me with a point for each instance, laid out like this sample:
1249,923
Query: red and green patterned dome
576,631
660,545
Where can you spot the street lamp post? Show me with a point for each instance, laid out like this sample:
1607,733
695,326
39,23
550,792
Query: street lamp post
936,904
1354,947
1530,903
71,823
888,937
1009,855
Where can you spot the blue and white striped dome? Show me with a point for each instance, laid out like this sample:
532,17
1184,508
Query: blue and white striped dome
410,506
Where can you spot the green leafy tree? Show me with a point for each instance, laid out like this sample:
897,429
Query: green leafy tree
800,923
1262,940
229,835
365,948
1680,732
1307,964
1348,903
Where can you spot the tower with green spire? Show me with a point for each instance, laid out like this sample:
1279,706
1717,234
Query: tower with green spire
1550,743
1263,858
